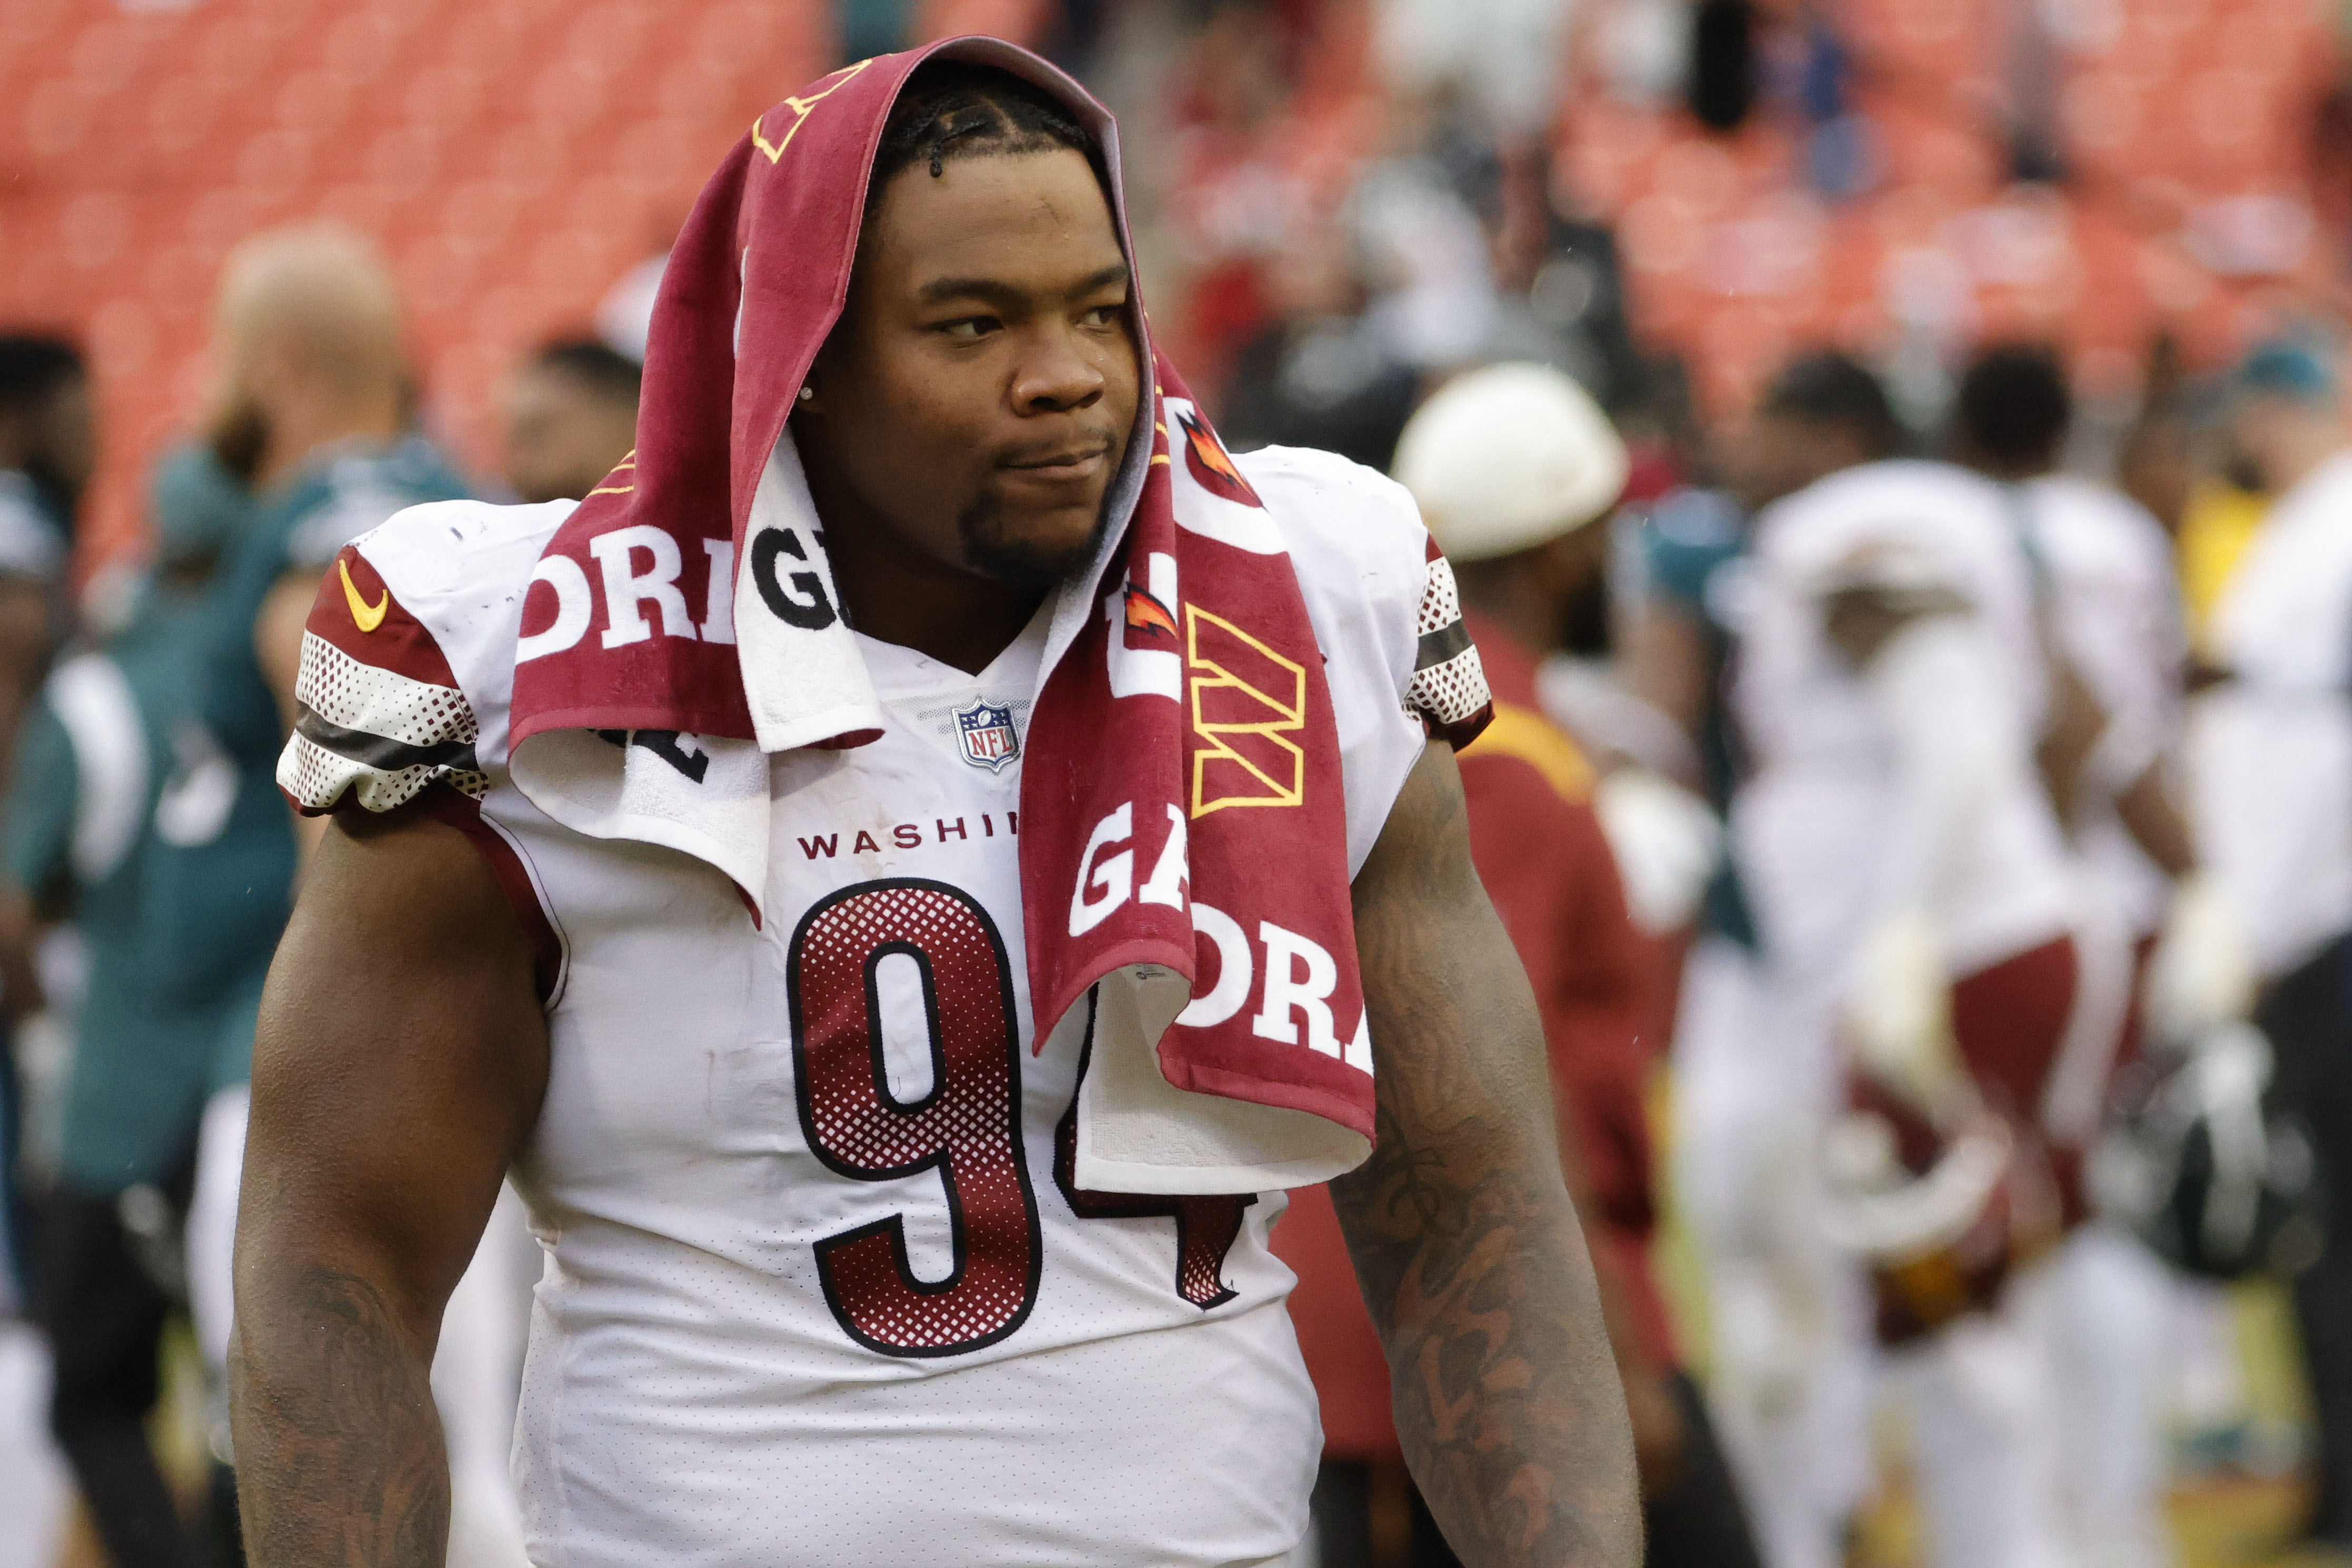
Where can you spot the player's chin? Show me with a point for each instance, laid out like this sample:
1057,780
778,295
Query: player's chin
1031,546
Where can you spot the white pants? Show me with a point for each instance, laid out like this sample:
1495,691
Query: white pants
35,1487
477,1370
2039,1430
1985,1439
1754,1084
2104,1316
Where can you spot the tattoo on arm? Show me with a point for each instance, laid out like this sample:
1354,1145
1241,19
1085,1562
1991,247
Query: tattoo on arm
399,1060
338,1442
1464,1240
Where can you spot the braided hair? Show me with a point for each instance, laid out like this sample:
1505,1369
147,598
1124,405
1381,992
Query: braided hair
955,109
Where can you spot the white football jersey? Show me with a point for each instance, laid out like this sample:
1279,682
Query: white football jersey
2270,750
2118,611
1814,825
818,1287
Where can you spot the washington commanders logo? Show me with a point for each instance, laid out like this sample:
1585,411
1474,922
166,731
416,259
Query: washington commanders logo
1247,702
985,731
798,107
1211,468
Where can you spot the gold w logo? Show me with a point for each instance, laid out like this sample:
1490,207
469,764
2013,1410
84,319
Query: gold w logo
798,107
1248,700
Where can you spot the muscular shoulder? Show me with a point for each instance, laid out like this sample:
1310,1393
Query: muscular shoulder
408,655
463,569
1379,593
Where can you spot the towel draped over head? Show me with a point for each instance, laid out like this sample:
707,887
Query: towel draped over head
1183,857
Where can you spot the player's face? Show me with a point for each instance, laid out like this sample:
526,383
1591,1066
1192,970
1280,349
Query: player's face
977,396
1779,453
562,438
65,439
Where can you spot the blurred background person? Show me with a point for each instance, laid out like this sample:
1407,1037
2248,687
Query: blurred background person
318,413
99,792
48,449
1754,1080
2272,751
1913,887
1510,464
1318,373
572,416
2110,613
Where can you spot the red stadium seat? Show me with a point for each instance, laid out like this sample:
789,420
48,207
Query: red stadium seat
513,159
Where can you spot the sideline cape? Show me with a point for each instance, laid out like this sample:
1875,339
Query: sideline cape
1184,856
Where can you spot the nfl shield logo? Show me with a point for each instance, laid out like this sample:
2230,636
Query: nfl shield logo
985,730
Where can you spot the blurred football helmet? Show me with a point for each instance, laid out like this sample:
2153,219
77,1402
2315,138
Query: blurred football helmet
1941,1242
2217,1180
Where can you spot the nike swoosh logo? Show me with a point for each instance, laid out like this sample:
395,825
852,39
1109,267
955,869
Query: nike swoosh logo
366,616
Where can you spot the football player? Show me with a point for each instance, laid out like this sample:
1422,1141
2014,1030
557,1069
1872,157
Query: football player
2271,754
1914,892
318,417
2111,610
49,448
101,797
793,861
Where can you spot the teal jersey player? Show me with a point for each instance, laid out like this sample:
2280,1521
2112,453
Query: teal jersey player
1692,544
342,492
116,790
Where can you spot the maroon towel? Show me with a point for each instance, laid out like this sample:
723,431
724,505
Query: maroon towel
1185,838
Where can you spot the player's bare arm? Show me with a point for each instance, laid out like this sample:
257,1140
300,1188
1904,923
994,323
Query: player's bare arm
1464,1240
399,1062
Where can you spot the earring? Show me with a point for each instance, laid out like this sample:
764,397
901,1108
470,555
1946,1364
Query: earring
808,393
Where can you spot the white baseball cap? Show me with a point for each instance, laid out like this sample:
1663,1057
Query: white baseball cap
1504,459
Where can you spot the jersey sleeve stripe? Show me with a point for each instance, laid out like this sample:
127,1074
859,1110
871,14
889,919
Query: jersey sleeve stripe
376,736
1439,646
1448,692
380,752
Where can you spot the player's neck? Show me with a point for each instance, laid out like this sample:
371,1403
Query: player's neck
896,594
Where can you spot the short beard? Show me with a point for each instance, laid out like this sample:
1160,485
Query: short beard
1017,563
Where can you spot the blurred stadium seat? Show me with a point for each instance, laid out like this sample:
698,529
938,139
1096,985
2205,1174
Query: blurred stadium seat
512,159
